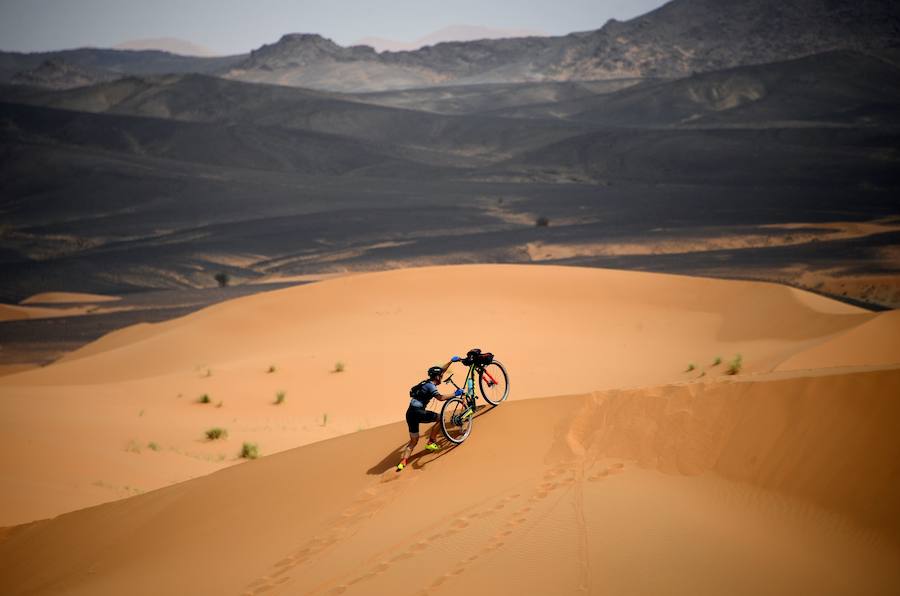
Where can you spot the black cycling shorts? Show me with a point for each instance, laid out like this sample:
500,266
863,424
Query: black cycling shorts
416,415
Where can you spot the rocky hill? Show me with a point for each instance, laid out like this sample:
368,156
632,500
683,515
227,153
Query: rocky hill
58,74
119,62
676,40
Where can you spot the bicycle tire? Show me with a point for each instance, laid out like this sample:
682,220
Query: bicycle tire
493,393
454,429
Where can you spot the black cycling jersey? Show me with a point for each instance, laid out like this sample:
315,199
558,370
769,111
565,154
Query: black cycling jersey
427,390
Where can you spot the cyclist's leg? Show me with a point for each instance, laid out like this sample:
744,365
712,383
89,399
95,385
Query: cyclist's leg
432,435
412,423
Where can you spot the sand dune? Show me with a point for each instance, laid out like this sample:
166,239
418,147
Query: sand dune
13,312
740,487
121,415
68,298
81,304
876,342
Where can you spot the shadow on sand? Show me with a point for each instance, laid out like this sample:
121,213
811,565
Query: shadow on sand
421,458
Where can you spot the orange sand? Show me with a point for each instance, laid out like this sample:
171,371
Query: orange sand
68,298
649,479
775,487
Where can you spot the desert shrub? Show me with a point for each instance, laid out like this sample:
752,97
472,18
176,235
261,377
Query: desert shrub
717,361
271,369
734,367
338,367
324,419
279,398
690,367
222,278
249,451
152,446
216,433
204,399
542,222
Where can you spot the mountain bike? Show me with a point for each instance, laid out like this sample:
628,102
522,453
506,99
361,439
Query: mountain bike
458,413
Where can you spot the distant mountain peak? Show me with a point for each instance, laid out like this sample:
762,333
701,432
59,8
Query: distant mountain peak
173,45
675,40
302,49
457,32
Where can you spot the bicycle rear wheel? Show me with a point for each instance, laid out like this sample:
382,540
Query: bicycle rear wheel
456,420
493,382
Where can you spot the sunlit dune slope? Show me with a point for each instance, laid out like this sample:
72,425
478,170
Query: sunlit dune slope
548,322
872,343
746,487
121,415
68,298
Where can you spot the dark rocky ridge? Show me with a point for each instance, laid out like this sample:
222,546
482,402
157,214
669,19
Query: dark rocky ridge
59,74
676,40
117,62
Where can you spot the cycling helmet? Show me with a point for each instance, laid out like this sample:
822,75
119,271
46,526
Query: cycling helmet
435,371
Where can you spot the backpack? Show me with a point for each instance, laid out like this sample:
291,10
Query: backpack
415,391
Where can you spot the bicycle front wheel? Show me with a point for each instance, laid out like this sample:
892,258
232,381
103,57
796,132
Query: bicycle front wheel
456,420
493,382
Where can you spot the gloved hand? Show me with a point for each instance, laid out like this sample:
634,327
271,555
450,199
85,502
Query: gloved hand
457,393
455,359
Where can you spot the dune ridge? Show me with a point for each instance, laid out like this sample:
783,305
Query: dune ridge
801,473
122,415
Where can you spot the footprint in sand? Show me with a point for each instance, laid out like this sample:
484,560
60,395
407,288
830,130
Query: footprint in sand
282,571
440,580
460,523
606,472
492,547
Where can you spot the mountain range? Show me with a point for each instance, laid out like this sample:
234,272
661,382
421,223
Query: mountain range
446,34
676,40
172,45
167,169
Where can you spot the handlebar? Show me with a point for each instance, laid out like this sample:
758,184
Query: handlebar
450,380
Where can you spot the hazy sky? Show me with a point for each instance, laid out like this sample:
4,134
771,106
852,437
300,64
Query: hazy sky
236,26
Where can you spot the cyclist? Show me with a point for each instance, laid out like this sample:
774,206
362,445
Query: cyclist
416,413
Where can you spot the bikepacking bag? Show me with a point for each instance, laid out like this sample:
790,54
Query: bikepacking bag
484,359
474,356
471,357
